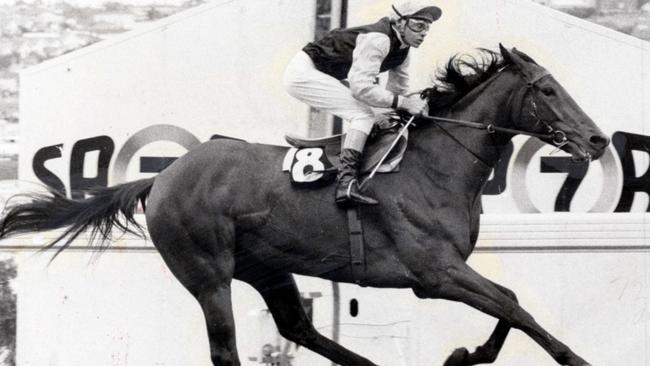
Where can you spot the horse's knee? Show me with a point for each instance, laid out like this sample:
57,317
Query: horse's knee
433,285
522,320
510,294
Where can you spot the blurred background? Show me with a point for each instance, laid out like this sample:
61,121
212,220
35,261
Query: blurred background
34,31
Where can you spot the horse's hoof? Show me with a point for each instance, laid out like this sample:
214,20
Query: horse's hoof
458,357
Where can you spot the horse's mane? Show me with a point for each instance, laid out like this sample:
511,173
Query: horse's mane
462,73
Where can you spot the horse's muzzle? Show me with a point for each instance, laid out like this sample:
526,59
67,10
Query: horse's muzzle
598,143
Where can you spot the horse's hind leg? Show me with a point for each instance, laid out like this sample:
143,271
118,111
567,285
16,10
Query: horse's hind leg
203,262
216,304
488,352
283,300
459,282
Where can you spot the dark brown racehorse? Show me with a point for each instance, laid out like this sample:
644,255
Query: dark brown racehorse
225,210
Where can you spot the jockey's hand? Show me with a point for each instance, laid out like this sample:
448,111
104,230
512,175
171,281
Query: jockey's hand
413,104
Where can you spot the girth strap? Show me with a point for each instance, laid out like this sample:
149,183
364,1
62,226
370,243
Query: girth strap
357,252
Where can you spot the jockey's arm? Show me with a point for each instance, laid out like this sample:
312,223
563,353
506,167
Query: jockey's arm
370,51
398,78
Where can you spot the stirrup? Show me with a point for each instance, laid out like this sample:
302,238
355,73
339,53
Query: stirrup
348,192
352,198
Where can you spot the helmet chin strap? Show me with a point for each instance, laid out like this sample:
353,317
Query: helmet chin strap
402,33
398,13
401,28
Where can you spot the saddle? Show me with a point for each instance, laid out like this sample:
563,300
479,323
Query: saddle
315,161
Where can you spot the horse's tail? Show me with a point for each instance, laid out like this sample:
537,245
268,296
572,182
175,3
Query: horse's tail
100,213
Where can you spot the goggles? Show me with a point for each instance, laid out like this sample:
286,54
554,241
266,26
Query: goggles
417,26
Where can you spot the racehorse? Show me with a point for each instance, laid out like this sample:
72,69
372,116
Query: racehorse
225,211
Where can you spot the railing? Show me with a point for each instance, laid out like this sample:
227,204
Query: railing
555,232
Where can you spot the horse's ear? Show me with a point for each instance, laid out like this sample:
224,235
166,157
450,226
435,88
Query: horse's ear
512,57
523,56
505,53
526,65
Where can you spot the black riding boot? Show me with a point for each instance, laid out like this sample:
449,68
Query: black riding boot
347,189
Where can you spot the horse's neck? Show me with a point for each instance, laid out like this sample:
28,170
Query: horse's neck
478,149
488,104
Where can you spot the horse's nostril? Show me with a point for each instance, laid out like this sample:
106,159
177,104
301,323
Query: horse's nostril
599,140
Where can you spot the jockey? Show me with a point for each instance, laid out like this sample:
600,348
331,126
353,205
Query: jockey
359,55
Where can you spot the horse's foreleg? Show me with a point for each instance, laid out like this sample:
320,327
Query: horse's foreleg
283,299
459,282
488,352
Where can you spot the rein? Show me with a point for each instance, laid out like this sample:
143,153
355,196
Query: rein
558,137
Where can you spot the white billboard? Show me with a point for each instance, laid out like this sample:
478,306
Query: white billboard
162,89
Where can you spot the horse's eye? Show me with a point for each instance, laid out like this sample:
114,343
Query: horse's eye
548,91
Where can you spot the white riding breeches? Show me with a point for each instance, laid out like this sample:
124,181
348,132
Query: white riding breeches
321,91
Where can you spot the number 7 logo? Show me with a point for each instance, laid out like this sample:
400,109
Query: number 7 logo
576,172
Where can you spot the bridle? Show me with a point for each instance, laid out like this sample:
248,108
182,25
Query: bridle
558,137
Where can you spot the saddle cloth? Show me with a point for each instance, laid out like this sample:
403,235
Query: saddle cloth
316,161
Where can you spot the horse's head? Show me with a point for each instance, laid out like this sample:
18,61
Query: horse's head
545,107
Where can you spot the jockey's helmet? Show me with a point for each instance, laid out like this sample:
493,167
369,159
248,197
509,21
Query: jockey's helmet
416,9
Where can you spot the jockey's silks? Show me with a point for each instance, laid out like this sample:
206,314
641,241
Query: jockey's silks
333,53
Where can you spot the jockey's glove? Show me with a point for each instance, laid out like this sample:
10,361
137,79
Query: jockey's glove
413,104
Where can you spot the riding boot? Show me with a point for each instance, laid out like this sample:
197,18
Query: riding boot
347,189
